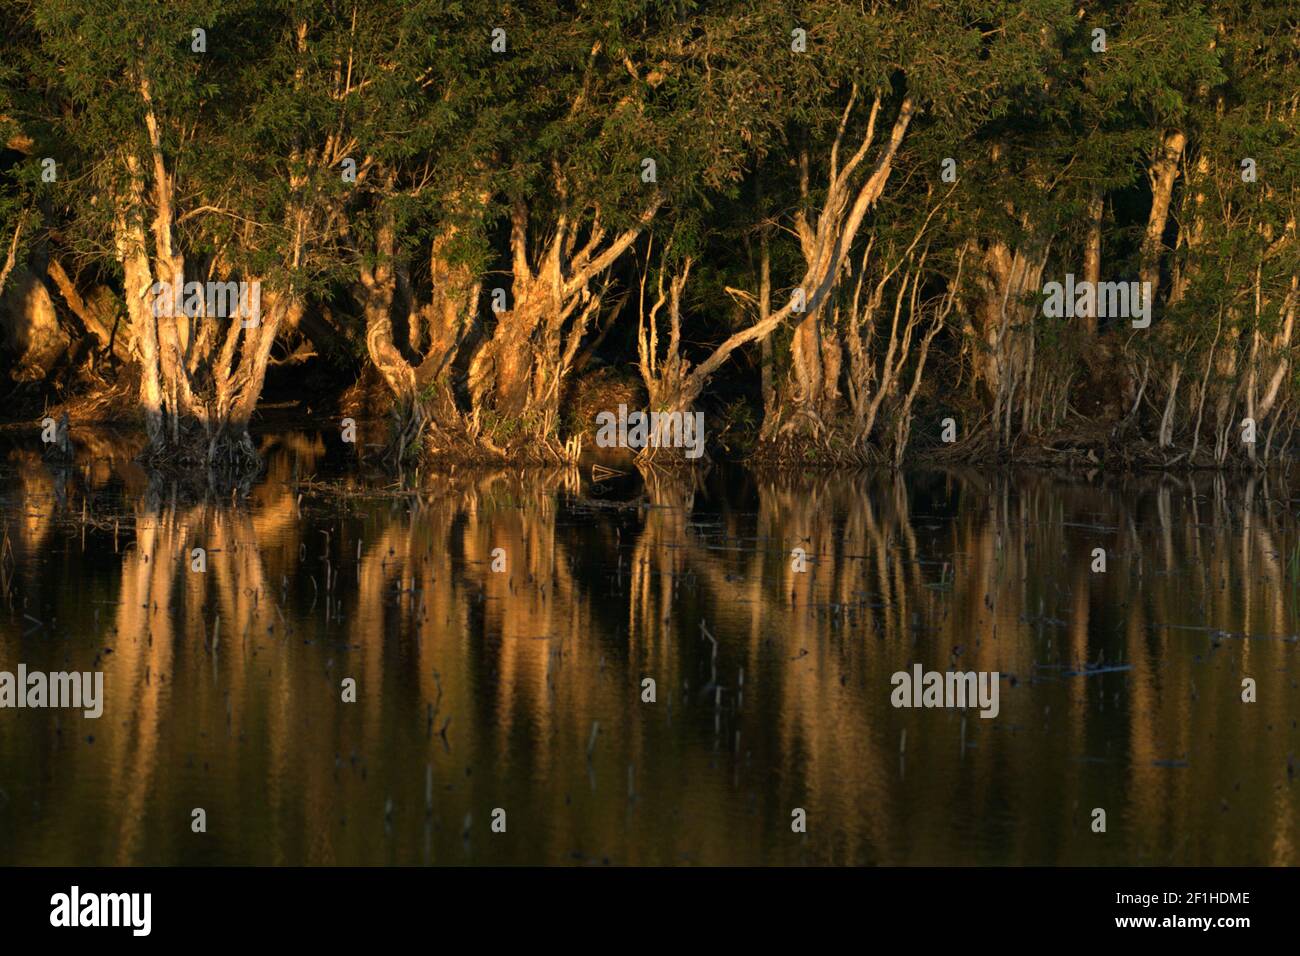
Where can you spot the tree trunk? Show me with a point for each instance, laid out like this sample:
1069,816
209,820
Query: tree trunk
517,376
29,327
812,387
1092,261
1163,173
768,379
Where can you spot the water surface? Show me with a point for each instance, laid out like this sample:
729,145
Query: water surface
522,689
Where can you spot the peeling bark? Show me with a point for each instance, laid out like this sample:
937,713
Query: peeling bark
517,375
1163,173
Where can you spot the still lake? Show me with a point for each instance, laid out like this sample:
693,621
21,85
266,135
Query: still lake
522,689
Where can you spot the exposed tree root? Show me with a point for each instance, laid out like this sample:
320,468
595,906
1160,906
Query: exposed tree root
225,454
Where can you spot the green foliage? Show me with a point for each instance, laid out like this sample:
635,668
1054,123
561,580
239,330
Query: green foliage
449,137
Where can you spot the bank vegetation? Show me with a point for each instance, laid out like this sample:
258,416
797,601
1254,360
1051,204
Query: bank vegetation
829,226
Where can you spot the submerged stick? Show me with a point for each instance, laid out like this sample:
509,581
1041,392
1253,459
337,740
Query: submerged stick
713,660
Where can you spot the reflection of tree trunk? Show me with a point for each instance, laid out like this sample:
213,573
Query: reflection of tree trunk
521,677
661,554
148,573
170,611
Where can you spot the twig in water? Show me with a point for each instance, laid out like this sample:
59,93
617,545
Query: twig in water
713,660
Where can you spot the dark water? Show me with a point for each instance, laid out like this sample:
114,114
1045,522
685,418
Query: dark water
522,690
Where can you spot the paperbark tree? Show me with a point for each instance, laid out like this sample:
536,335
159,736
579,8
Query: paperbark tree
815,349
201,373
521,369
671,380
416,374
